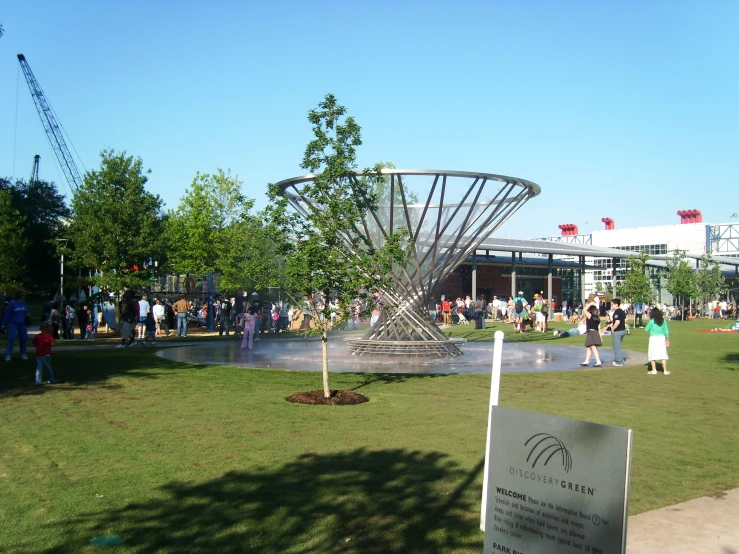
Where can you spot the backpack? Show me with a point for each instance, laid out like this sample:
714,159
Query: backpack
519,306
545,308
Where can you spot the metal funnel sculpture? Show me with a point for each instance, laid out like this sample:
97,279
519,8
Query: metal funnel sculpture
445,216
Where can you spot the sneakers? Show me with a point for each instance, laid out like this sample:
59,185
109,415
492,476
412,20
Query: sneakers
24,357
667,372
121,346
618,364
598,365
7,358
153,343
134,343
653,372
556,333
584,364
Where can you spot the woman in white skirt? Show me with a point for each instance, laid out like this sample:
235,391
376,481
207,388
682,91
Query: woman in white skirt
659,340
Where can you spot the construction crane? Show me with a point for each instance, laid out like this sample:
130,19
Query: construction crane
34,171
52,128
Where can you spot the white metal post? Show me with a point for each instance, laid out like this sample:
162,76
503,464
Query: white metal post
494,395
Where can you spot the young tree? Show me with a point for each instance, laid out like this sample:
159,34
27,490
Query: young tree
328,258
13,246
637,286
710,281
681,279
117,224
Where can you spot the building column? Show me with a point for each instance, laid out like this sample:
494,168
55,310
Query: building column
613,278
549,281
513,274
474,280
582,281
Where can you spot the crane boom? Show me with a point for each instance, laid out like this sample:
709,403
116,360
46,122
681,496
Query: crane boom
34,171
53,131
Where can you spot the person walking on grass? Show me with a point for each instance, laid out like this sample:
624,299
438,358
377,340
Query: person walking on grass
16,319
618,331
43,343
593,337
659,340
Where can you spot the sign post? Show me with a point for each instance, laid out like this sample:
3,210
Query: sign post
494,395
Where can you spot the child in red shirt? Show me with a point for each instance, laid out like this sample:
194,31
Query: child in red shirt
43,342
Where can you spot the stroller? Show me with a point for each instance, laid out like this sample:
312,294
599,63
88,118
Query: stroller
458,317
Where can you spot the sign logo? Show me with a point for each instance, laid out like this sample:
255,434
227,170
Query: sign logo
545,447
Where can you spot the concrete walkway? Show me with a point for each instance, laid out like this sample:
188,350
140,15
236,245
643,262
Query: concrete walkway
707,525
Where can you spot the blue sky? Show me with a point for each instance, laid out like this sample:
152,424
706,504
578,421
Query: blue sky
622,109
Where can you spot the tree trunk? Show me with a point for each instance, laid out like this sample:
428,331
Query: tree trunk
324,348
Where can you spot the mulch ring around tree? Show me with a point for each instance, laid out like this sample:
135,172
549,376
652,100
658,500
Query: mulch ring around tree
337,398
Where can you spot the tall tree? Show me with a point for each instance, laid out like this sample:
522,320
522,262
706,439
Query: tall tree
328,258
44,213
710,281
681,279
212,229
637,286
13,245
117,224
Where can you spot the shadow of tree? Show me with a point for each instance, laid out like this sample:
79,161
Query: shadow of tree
360,501
732,358
81,368
394,378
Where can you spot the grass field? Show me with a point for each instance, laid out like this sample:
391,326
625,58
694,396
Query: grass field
185,458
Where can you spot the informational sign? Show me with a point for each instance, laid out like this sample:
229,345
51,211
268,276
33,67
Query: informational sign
556,485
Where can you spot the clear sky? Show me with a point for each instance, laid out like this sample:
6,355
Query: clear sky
626,109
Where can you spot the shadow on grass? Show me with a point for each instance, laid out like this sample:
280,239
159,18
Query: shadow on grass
82,368
732,358
488,334
360,501
394,378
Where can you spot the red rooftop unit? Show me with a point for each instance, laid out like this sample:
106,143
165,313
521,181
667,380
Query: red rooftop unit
610,224
568,229
690,216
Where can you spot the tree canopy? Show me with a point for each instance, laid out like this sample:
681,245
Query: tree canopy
213,229
13,246
681,279
116,223
44,215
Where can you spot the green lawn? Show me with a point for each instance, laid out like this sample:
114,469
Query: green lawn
186,458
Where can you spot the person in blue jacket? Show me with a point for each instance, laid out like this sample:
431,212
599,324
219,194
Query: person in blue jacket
14,319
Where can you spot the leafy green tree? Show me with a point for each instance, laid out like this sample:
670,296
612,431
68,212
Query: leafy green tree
117,224
44,213
709,279
327,257
681,279
637,286
13,245
212,229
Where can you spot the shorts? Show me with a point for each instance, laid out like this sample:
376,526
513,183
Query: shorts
520,315
141,321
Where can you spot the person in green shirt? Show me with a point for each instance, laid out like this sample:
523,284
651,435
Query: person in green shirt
659,340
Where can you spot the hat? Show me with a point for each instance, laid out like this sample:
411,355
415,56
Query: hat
254,293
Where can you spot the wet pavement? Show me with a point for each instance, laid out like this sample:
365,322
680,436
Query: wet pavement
305,355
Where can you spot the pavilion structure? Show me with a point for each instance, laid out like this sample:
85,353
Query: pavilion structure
444,216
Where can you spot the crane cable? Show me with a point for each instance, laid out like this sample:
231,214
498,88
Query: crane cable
15,131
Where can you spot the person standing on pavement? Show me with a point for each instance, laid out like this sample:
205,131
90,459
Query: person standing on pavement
225,316
16,319
618,331
144,309
180,309
593,337
129,312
